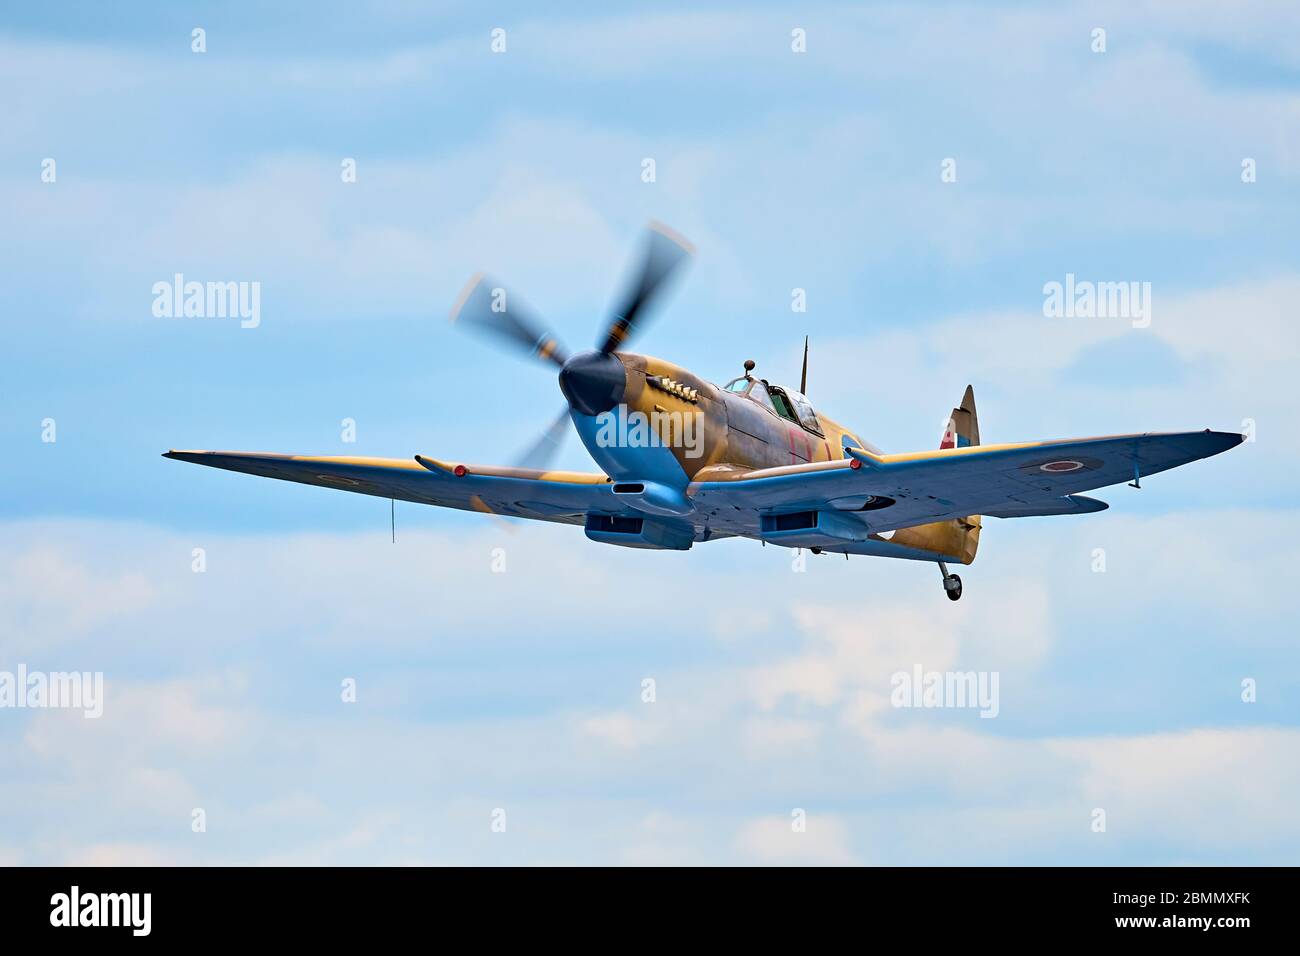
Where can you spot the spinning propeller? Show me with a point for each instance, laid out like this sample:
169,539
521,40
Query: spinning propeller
592,381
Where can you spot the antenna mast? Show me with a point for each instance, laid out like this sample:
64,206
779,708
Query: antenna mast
803,379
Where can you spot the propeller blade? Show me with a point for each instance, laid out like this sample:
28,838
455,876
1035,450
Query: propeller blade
665,251
542,453
485,306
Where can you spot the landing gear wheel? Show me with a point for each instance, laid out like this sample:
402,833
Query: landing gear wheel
951,583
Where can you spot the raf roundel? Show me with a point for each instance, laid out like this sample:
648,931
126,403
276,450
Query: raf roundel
1059,467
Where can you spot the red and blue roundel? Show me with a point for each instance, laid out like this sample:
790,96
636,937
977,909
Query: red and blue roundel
1061,465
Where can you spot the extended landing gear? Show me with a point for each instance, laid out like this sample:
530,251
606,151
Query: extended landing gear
951,583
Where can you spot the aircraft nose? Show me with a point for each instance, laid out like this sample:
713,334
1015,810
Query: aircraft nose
593,382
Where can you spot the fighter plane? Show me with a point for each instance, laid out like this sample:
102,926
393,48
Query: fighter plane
684,461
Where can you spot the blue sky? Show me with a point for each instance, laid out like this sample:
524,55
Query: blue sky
522,690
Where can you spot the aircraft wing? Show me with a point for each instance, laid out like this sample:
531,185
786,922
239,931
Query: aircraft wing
561,496
889,492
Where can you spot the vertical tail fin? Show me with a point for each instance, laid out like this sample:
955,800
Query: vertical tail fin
957,538
963,428
963,431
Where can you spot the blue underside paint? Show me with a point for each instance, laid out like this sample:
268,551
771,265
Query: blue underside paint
621,462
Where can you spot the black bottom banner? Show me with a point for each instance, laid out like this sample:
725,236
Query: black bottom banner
1170,906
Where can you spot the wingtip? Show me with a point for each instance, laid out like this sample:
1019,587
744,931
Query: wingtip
1230,439
191,455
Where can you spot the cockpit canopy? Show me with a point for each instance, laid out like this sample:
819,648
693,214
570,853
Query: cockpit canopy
783,402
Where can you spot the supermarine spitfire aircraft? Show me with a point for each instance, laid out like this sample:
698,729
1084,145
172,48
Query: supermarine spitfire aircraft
684,461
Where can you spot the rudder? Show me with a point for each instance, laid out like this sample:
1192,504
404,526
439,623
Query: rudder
963,428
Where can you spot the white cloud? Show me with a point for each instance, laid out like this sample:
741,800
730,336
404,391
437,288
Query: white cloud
769,734
120,854
794,715
850,658
51,596
772,840
620,730
1230,788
